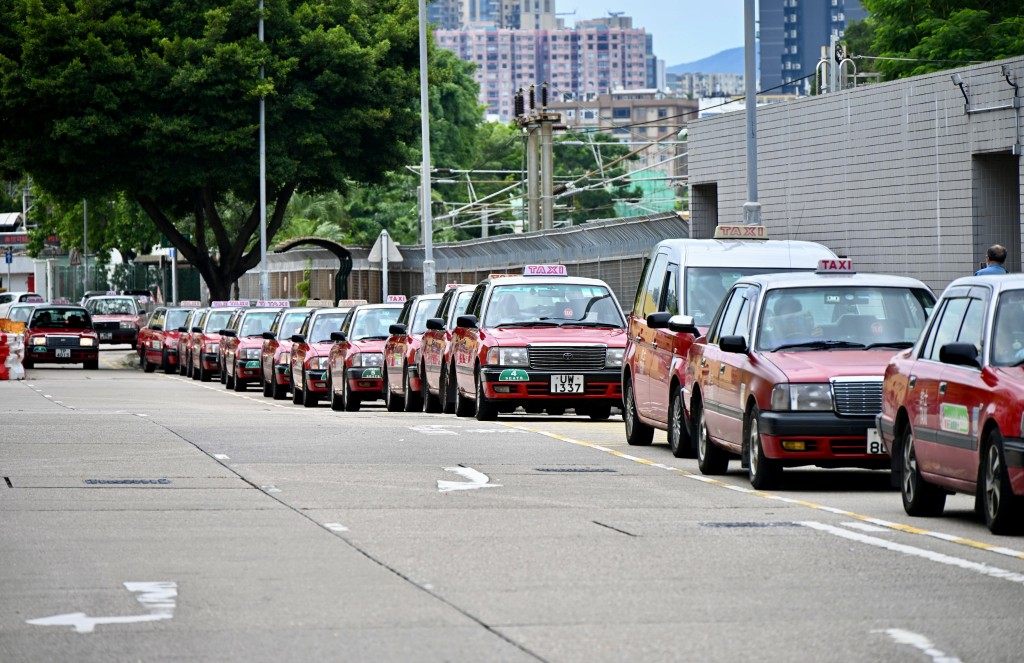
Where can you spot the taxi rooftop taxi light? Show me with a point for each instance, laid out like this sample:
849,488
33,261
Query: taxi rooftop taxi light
741,232
545,270
838,266
232,303
396,299
272,304
346,302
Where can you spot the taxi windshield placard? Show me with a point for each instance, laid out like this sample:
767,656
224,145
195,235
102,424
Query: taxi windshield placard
835,266
545,270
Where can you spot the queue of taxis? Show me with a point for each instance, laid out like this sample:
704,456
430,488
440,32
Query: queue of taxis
275,353
790,371
952,414
242,343
544,341
402,389
437,392
158,340
356,360
116,318
204,340
58,334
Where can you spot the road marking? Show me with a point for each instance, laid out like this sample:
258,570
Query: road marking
221,456
336,527
157,598
919,642
432,429
476,480
889,525
865,527
271,489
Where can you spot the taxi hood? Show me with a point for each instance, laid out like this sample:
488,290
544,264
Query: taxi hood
367,346
523,336
820,365
318,349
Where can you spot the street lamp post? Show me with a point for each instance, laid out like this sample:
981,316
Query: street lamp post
751,208
264,275
429,286
85,247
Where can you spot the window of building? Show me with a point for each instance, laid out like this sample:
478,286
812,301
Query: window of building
621,113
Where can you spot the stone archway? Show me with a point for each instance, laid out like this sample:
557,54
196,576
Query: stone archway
343,255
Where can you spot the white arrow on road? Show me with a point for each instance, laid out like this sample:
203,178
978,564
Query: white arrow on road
476,480
156,597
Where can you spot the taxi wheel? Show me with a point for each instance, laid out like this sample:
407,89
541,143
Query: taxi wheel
165,364
638,434
296,392
485,410
920,498
412,400
192,371
463,406
351,401
27,363
135,345
764,472
678,432
309,398
710,459
182,364
447,393
1001,506
237,383
204,375
93,365
278,391
147,366
431,403
393,403
268,387
336,403
600,412
226,379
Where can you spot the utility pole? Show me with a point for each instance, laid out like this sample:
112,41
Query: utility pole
751,208
540,175
264,274
85,247
174,274
429,285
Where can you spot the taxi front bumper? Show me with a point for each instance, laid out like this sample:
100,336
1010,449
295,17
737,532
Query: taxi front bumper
828,439
40,355
599,387
211,361
283,374
316,382
363,382
247,369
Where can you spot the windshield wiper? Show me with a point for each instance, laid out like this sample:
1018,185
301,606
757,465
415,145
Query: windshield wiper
819,345
534,323
372,338
891,344
589,323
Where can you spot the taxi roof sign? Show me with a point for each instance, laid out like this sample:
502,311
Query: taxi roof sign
320,302
190,302
231,303
396,299
450,286
342,303
741,232
545,270
273,303
500,276
835,266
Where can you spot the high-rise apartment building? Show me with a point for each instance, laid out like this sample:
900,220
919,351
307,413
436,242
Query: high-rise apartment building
518,14
792,33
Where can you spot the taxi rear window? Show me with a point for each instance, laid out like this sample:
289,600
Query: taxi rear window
555,304
218,320
424,311
323,325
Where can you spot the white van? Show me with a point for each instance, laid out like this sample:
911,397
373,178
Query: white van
8,298
689,277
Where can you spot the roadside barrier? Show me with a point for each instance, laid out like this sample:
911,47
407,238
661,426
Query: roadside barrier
12,350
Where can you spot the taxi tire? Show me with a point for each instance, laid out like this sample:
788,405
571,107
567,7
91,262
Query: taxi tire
165,364
412,401
710,459
678,432
638,434
447,393
431,403
1001,507
238,384
222,375
279,392
93,365
265,387
485,410
463,406
27,363
226,379
765,473
192,371
147,366
599,412
204,375
351,402
336,403
391,401
296,393
309,398
182,365
920,498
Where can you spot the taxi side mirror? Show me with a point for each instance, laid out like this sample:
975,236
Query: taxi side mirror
466,321
183,330
231,333
435,324
658,320
683,324
157,327
298,338
197,330
397,329
268,335
339,336
959,354
736,344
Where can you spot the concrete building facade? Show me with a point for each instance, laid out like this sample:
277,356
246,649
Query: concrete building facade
904,177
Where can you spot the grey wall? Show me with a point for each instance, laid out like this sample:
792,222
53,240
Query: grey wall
886,173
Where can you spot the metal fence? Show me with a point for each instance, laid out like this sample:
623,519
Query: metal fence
68,281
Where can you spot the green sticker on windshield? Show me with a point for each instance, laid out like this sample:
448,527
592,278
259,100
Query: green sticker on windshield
371,373
513,375
955,419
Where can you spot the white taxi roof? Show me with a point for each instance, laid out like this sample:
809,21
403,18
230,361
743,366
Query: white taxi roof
998,282
547,280
749,253
805,279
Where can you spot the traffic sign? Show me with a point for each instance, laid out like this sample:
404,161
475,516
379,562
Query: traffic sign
9,255
394,255
75,258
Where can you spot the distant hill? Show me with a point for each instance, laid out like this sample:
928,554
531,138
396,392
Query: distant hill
725,62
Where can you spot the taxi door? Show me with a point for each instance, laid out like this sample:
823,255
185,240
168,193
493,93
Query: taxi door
734,369
663,352
642,338
466,343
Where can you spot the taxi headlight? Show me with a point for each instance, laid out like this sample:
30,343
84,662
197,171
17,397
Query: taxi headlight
508,357
318,363
286,358
815,397
127,325
367,359
212,347
251,353
38,340
416,357
613,358
155,345
85,341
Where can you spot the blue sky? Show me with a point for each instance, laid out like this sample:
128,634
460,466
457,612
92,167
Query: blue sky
684,30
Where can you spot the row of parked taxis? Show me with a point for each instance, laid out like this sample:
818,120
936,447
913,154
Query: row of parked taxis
773,353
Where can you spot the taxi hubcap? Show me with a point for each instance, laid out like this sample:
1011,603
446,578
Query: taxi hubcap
676,422
702,435
992,492
909,468
629,405
754,447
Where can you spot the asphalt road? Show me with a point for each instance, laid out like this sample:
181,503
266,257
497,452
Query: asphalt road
155,518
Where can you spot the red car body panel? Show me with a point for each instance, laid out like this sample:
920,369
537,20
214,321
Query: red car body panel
435,345
276,369
400,350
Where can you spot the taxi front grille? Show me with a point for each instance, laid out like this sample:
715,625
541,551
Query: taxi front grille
567,357
106,326
858,398
62,341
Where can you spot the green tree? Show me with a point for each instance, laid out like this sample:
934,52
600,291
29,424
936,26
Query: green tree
159,100
114,224
933,35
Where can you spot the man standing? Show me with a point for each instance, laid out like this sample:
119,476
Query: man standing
995,257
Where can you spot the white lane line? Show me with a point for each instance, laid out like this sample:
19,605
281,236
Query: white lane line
221,456
476,478
914,551
336,527
920,642
864,527
271,489
47,396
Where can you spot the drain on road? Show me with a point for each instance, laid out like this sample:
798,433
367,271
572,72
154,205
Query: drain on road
127,482
581,470
780,523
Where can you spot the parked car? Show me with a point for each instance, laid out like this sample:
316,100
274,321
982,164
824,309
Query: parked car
402,389
158,339
309,355
185,341
356,359
7,299
436,389
204,341
61,335
242,345
275,354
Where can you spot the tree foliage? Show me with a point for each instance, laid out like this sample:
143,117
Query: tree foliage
932,35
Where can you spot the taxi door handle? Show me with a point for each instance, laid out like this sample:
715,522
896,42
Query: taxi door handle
912,382
721,369
703,362
942,388
637,338
654,343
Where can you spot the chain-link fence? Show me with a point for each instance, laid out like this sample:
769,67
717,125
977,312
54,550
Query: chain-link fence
69,282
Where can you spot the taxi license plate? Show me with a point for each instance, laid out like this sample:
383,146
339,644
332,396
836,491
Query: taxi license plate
566,384
106,336
875,445
63,353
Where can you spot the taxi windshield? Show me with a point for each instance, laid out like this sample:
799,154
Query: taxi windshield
706,288
373,323
424,311
118,306
218,320
323,325
462,303
175,319
60,318
552,304
255,324
291,325
19,313
855,317
1008,330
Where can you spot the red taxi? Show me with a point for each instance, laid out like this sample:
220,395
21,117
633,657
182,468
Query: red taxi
232,326
402,354
185,338
953,405
309,355
158,340
242,344
204,341
790,372
61,335
357,357
541,340
275,355
116,318
436,391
